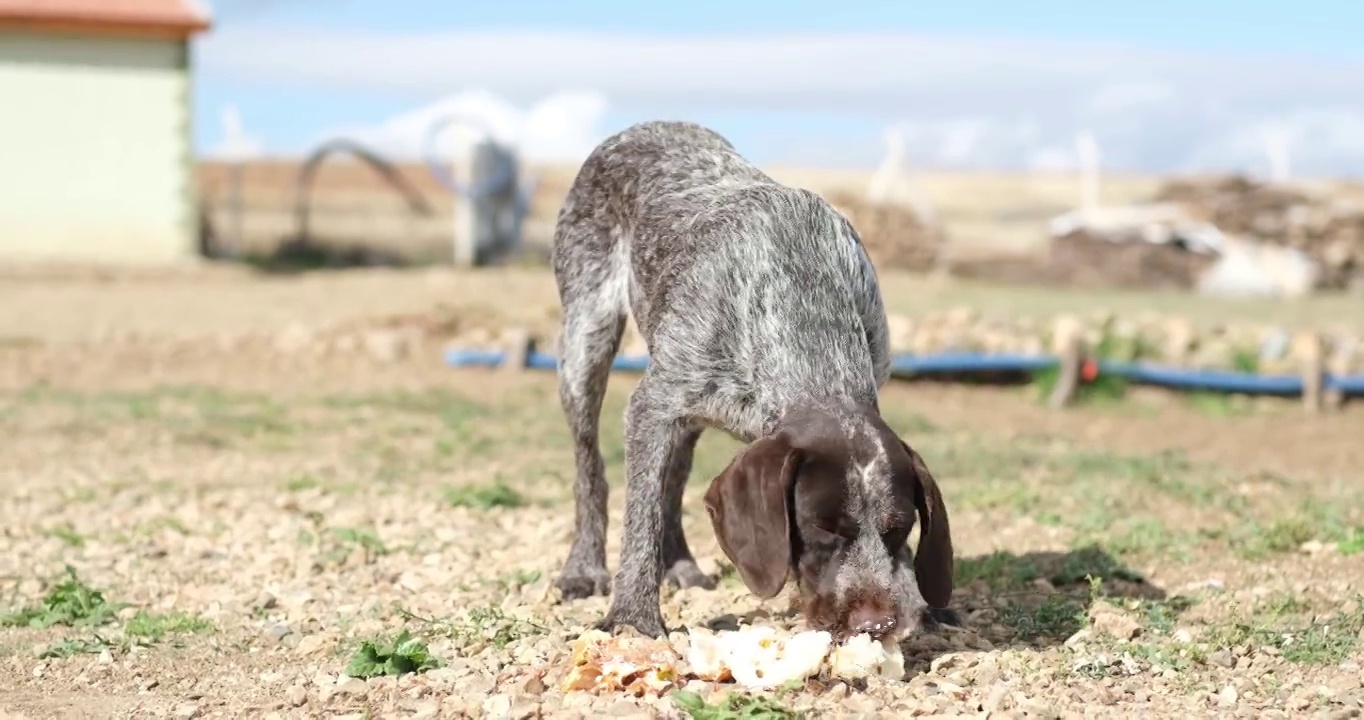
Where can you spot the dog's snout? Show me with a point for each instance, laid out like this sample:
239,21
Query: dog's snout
874,621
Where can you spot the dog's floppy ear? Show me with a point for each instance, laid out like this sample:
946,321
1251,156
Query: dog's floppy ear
933,562
748,507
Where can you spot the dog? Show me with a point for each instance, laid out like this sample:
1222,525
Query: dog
763,318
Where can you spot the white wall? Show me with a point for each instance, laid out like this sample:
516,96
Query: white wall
95,158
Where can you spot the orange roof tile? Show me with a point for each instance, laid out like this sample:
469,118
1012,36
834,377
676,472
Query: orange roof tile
179,18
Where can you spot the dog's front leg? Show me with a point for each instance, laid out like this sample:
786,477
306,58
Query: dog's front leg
653,432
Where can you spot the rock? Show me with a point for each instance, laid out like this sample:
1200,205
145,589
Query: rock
311,645
278,632
497,706
186,711
1114,622
351,686
294,339
297,695
386,345
1222,658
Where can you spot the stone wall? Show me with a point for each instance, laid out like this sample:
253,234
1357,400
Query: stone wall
1147,337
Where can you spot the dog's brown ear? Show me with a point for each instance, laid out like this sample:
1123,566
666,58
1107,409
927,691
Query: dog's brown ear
933,562
748,508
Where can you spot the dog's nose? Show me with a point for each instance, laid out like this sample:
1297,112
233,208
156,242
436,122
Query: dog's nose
871,620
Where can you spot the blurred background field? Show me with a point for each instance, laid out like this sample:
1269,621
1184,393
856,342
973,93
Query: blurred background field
237,242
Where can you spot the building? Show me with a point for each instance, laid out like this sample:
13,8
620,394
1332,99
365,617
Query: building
96,147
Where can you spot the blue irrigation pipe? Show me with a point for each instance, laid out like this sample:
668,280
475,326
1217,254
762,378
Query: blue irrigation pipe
958,362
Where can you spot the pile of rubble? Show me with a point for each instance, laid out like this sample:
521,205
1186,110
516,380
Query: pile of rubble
893,233
1330,233
1082,259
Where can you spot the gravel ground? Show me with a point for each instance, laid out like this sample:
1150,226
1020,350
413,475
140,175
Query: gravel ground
201,528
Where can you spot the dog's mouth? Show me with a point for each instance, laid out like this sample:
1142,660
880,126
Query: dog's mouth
826,614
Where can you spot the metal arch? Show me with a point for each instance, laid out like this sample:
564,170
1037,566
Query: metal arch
304,182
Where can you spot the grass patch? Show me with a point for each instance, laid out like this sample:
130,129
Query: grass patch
1089,561
155,626
497,494
1217,404
400,655
1314,521
68,534
1000,570
1147,537
71,603
734,706
1105,388
299,483
485,624
1353,542
1282,626
1161,615
71,647
364,538
1056,618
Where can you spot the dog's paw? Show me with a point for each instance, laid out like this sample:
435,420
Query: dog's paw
641,622
686,574
579,583
934,617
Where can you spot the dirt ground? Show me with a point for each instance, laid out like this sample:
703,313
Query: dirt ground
203,517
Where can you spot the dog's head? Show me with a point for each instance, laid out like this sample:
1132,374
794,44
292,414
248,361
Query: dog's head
832,501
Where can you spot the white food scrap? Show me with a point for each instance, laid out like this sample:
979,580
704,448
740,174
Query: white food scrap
756,657
861,656
637,666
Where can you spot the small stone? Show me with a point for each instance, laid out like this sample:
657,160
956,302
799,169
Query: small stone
278,632
352,686
1113,622
497,706
533,685
310,645
186,711
1228,696
297,695
1222,658
427,709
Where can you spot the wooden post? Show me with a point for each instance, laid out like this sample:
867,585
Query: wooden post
465,233
1342,359
1312,361
484,224
236,181
519,345
1068,344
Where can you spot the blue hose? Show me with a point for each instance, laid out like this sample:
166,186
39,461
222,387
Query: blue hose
954,362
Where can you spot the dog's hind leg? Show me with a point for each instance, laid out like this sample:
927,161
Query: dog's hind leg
679,566
592,278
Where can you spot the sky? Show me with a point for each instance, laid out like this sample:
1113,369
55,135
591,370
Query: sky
1162,86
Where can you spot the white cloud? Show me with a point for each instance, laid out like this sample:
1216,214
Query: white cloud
236,143
561,127
966,100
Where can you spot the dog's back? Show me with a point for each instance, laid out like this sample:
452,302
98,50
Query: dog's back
748,292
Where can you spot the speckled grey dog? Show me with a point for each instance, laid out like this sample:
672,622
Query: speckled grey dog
763,318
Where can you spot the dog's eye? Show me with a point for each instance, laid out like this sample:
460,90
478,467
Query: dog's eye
895,538
825,537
